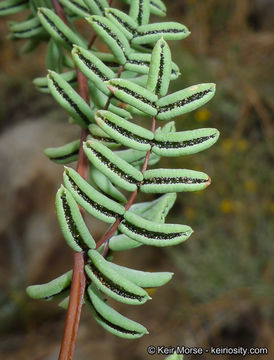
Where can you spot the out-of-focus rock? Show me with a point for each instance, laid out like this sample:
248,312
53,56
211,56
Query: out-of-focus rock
28,182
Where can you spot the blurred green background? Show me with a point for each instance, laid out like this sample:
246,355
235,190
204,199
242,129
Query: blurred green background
222,290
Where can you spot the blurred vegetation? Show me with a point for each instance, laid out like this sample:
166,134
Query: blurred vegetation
225,272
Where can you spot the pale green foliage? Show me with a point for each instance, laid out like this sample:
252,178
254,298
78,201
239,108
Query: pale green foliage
142,51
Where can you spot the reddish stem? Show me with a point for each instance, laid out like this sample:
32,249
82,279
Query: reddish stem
78,283
74,309
60,11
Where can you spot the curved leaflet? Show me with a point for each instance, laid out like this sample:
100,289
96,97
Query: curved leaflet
134,95
58,29
94,202
173,180
71,222
153,32
69,99
151,233
112,283
117,170
112,36
123,131
64,154
160,69
184,101
94,69
184,142
53,288
110,319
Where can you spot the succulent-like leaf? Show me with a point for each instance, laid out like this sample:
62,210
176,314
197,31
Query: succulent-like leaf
52,288
58,29
112,36
94,69
184,101
71,222
123,131
125,23
41,83
94,202
134,95
152,233
153,32
184,142
69,99
26,29
9,7
116,169
78,7
140,11
54,57
110,319
143,279
173,180
64,154
160,69
111,283
98,134
97,7
157,7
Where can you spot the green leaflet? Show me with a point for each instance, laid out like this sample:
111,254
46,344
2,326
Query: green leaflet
112,283
123,131
97,7
71,222
143,279
134,95
156,211
184,142
8,7
69,99
152,233
153,32
111,320
140,11
184,101
106,186
112,36
124,22
157,7
173,180
98,134
49,290
160,69
26,29
58,29
117,170
41,83
94,69
64,154
140,63
94,202
78,7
